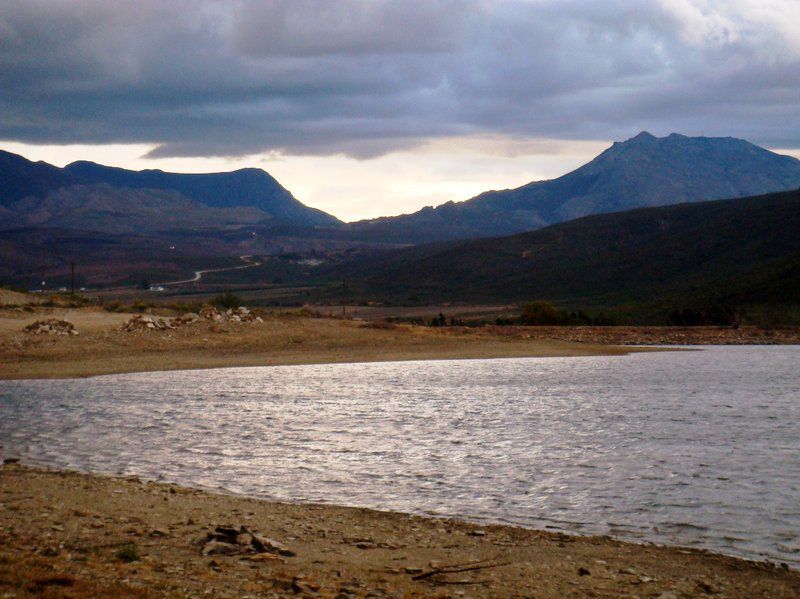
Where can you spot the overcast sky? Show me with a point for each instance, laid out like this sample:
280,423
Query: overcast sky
370,107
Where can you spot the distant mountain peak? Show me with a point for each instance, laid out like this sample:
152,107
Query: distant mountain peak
643,136
642,171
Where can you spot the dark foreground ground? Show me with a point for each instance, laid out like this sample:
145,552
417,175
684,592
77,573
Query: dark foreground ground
73,535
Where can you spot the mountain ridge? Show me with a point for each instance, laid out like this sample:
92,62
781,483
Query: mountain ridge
30,190
724,248
642,171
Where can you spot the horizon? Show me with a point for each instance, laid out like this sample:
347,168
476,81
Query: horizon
61,156
370,108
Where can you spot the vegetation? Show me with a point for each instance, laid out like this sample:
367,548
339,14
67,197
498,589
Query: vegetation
707,263
227,301
128,553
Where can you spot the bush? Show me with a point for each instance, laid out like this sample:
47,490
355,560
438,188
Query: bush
140,306
128,553
113,307
542,313
227,301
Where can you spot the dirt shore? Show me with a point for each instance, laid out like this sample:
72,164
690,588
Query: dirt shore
73,535
103,348
646,335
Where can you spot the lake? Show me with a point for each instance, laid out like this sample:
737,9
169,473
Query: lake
697,448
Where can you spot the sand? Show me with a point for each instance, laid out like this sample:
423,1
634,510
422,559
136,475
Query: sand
67,535
102,348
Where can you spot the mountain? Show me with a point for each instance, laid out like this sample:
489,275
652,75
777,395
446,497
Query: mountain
642,171
109,209
88,196
249,187
20,178
740,251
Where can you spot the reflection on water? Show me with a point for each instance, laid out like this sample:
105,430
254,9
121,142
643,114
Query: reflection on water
694,448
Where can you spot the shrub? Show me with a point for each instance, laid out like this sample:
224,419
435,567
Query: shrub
227,301
128,553
140,306
542,313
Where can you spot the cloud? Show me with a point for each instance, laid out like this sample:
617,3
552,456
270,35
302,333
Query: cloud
368,77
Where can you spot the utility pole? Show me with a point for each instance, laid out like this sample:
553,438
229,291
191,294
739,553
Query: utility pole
72,276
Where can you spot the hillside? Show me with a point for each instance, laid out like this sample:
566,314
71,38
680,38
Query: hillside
741,251
124,210
642,171
20,178
88,196
249,187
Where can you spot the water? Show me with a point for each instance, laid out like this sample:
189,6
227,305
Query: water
693,448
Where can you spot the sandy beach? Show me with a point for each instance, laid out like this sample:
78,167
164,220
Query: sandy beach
65,534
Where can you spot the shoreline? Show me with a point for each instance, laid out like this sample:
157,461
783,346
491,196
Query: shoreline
62,531
103,347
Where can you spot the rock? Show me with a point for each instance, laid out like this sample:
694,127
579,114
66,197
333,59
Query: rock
708,587
301,586
218,548
11,461
52,326
584,572
366,545
144,322
227,540
270,546
477,533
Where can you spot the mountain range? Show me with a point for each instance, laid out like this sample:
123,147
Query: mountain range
597,235
89,196
642,171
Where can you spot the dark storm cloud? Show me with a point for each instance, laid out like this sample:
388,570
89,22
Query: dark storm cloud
368,76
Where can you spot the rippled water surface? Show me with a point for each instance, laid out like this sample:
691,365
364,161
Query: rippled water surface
695,448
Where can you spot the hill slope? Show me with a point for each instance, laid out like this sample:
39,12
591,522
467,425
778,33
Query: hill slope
743,250
643,171
89,196
249,187
20,178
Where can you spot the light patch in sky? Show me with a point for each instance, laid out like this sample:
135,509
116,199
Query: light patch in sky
443,169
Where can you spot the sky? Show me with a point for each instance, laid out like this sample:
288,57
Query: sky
375,107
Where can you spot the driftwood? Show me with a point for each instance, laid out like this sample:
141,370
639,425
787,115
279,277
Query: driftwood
458,568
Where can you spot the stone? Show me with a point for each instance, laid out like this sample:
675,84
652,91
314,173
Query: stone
271,546
52,326
217,548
